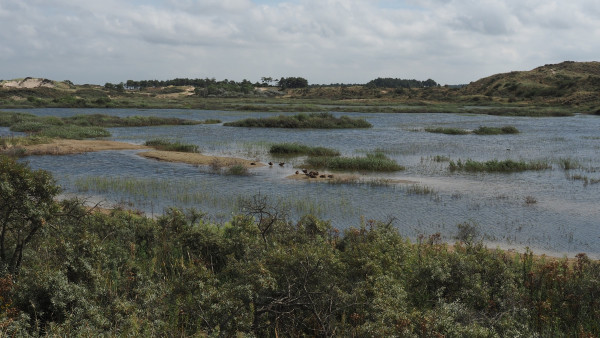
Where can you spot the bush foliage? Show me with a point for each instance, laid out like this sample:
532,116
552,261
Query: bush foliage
263,274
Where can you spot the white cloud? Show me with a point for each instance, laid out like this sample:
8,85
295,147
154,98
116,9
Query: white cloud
451,41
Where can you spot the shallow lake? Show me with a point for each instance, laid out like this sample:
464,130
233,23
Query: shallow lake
562,216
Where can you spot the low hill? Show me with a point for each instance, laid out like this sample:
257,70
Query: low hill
567,83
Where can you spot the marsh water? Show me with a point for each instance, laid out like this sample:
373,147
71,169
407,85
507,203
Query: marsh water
554,211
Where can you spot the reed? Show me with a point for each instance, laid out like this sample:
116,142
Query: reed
497,166
495,130
296,149
447,131
163,144
303,121
371,162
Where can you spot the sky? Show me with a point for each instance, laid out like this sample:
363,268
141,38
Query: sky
324,41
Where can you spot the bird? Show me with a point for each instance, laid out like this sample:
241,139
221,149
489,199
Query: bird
297,172
322,176
330,176
281,164
305,171
270,163
252,163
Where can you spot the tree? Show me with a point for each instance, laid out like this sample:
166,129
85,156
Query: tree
26,206
292,82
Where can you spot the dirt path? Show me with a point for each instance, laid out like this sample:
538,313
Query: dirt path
199,159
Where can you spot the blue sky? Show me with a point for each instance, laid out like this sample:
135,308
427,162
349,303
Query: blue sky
325,41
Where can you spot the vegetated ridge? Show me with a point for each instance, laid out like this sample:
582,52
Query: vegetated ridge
565,87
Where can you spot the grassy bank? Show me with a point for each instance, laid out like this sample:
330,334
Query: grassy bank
371,162
167,145
296,149
80,126
304,121
497,166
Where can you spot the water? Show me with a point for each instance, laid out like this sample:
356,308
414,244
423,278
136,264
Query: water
565,219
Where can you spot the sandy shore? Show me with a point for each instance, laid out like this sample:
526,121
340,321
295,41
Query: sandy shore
342,178
66,147
198,159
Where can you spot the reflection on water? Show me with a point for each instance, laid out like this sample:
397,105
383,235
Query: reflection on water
564,217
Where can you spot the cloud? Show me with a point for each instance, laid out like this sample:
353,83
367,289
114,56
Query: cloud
451,41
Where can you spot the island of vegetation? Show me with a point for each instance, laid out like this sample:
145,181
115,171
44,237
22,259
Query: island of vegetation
483,130
306,121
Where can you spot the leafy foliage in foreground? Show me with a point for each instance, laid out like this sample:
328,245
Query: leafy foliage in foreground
310,121
262,274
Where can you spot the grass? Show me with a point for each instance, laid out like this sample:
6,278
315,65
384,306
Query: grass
163,144
495,130
483,130
497,166
80,126
302,121
295,149
238,170
447,131
371,162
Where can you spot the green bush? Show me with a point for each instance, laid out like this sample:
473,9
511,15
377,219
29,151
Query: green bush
496,131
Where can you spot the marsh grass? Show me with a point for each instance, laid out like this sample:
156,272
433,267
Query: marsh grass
80,126
296,149
73,132
356,180
302,121
447,131
497,166
371,162
483,130
163,144
569,164
238,170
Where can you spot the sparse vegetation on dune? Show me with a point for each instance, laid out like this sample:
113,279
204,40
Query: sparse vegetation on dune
307,121
296,149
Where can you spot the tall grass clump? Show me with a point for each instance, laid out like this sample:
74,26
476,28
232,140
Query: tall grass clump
73,132
495,130
371,162
497,166
110,121
447,131
238,170
163,144
295,149
303,121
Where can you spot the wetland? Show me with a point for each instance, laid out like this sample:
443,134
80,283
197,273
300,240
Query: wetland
552,209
